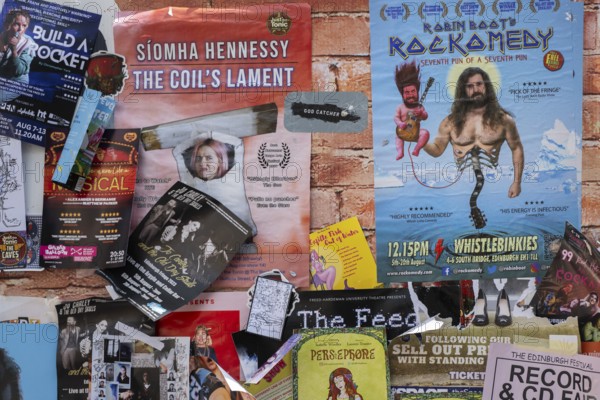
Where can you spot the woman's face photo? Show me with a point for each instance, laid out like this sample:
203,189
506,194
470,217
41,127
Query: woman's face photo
19,24
206,163
201,336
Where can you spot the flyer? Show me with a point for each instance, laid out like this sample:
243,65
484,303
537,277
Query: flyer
514,372
449,359
340,258
27,360
209,320
89,229
82,324
389,308
145,367
345,362
13,242
41,72
177,251
477,135
215,80
277,384
571,287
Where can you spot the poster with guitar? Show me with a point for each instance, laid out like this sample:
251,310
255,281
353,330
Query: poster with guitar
476,136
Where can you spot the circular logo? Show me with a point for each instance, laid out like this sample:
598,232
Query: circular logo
279,23
553,60
58,136
12,249
130,136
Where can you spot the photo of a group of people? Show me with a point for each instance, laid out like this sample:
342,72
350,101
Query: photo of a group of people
134,370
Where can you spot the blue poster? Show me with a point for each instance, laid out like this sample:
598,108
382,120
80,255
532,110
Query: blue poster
44,49
477,130
28,361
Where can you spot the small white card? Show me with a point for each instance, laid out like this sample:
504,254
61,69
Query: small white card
269,307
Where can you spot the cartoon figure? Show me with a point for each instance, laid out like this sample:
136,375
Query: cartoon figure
342,386
8,184
321,275
409,114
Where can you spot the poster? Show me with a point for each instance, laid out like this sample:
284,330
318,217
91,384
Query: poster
82,325
209,320
389,308
13,247
177,251
571,287
346,363
513,372
145,367
217,78
482,164
449,359
27,360
52,44
90,229
340,258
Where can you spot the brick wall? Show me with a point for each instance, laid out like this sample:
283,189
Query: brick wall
342,164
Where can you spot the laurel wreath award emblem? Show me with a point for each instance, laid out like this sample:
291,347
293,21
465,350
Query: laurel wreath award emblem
274,155
261,156
286,155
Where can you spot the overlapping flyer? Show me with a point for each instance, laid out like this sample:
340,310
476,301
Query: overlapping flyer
180,248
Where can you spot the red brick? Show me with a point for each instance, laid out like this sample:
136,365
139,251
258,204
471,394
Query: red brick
591,75
590,30
342,168
591,164
325,208
359,202
341,35
342,74
591,119
590,204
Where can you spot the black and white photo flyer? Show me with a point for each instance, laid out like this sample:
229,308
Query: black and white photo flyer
182,245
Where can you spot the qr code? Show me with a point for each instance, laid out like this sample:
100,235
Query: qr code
551,245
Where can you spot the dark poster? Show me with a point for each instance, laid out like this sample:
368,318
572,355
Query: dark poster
571,287
89,229
42,68
389,308
81,326
182,245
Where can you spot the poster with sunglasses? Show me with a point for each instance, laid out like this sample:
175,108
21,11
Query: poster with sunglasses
45,48
141,367
180,248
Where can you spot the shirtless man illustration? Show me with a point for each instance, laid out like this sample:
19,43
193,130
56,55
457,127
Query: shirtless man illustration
478,126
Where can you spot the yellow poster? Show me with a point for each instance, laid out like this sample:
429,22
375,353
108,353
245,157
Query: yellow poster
340,258
344,363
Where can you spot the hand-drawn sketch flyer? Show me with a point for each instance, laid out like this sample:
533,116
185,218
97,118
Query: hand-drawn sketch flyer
269,307
44,48
477,135
208,87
